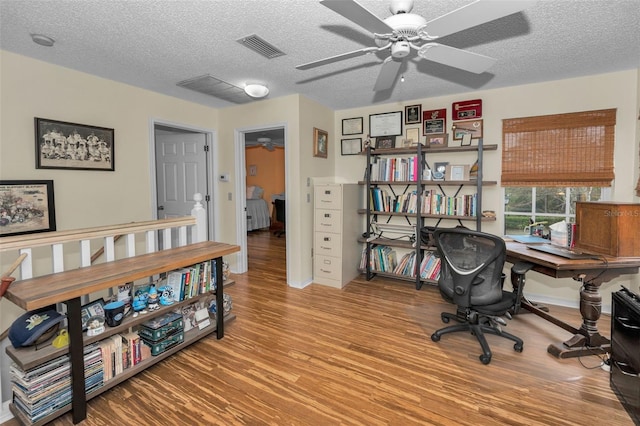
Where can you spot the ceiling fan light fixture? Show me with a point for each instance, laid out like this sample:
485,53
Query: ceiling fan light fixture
256,90
264,140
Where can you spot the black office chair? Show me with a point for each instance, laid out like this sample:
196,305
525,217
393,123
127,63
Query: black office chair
280,217
471,277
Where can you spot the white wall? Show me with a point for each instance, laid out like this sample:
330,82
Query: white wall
619,90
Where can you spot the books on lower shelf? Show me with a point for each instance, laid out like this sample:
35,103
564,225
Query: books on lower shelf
46,388
430,266
383,259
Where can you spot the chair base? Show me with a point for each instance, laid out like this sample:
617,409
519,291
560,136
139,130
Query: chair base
478,329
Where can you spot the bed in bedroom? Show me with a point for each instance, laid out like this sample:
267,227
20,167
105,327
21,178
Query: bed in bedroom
258,215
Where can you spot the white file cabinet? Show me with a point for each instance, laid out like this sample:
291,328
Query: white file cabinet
336,253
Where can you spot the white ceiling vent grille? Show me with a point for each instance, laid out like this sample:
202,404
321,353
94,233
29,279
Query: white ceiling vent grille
214,87
259,45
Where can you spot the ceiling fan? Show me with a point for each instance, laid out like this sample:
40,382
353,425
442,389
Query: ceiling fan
403,31
266,143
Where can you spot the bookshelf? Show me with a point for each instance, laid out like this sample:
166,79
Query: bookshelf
402,197
68,287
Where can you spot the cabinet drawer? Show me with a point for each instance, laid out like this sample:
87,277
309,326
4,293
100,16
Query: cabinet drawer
327,244
328,220
327,267
328,197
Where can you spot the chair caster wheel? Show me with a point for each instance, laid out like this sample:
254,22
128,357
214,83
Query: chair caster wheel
485,359
517,347
445,319
435,337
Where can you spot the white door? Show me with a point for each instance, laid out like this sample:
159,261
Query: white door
181,171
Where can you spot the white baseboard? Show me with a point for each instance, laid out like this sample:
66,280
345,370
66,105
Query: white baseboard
300,285
5,414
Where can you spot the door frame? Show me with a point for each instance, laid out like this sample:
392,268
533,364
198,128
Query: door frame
211,170
241,191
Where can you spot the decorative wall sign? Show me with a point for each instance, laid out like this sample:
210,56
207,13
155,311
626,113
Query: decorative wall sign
466,110
472,127
434,121
26,207
62,145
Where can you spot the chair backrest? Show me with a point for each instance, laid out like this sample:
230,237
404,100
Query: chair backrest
472,262
280,212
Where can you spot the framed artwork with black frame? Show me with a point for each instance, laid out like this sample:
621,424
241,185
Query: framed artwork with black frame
385,124
386,142
412,114
92,309
352,126
351,146
26,207
63,145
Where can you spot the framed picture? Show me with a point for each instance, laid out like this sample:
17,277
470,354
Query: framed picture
386,124
433,127
457,172
26,207
434,119
62,145
439,170
472,127
351,146
93,309
412,114
352,126
412,136
440,139
320,143
386,142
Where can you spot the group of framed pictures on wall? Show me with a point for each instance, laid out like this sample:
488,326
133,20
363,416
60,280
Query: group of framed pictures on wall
387,128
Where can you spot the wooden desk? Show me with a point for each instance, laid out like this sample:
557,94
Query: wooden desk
586,340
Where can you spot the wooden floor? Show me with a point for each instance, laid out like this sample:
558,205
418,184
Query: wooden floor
358,356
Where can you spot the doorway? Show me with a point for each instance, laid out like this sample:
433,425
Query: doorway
182,165
244,138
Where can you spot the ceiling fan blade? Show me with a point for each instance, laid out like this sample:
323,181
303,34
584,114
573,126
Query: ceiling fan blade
473,14
463,59
353,11
337,58
388,74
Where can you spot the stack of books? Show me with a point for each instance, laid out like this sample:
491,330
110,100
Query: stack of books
47,388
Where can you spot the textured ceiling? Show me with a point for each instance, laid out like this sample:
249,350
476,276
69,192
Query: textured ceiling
155,44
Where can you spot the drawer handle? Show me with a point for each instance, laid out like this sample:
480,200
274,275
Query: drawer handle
325,248
327,215
327,262
325,271
327,192
327,238
626,323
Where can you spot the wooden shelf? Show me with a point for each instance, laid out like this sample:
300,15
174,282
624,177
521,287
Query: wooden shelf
399,277
431,149
430,182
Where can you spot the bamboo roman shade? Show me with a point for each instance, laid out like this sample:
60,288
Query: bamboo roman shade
574,149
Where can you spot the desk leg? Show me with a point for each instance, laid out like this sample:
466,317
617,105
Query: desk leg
219,299
588,340
76,355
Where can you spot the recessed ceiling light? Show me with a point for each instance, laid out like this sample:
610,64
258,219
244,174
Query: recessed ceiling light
42,40
256,90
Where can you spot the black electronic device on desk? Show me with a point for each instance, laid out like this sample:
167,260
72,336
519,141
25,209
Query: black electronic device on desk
625,350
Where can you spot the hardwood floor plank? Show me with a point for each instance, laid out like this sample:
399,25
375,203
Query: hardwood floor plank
358,356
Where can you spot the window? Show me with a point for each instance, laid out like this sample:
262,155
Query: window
544,204
550,162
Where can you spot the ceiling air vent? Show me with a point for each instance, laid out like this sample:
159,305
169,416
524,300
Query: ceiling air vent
259,45
214,87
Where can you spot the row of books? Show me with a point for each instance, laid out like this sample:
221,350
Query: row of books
430,266
382,258
383,202
186,283
434,202
396,169
120,352
44,389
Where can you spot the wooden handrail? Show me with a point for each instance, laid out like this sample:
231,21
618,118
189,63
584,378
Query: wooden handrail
57,237
100,251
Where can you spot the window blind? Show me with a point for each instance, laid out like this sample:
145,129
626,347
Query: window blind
573,149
